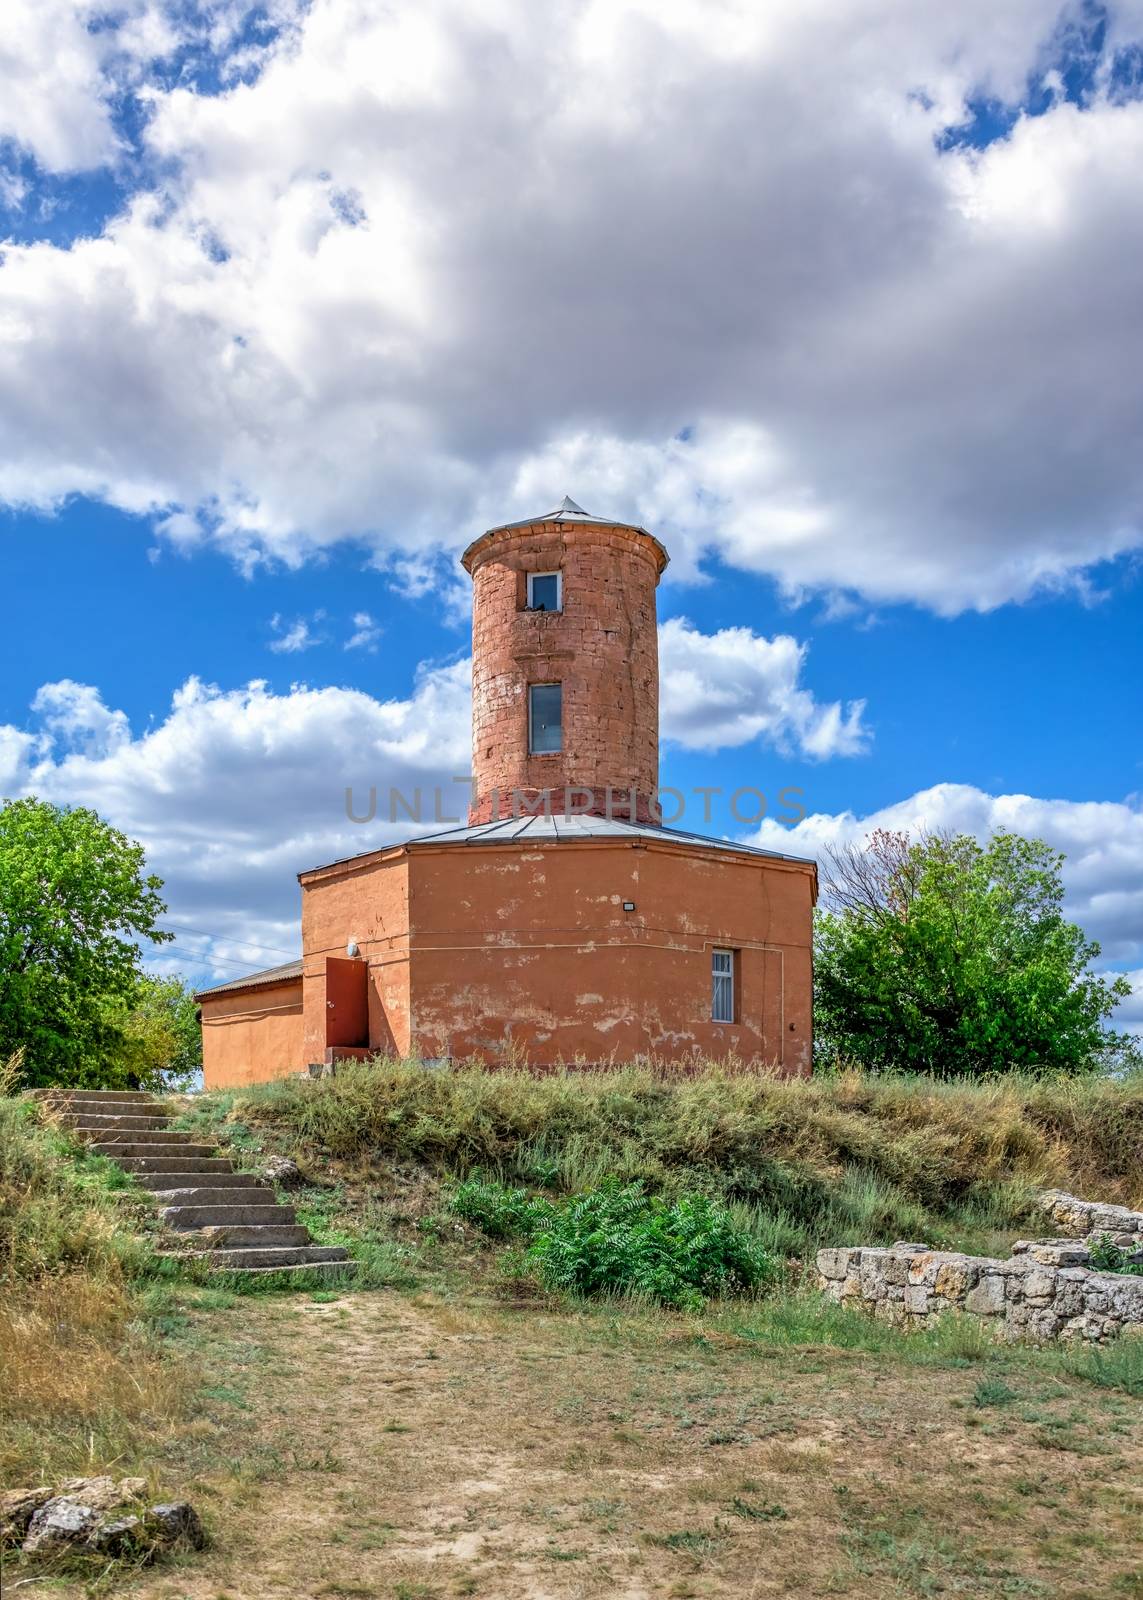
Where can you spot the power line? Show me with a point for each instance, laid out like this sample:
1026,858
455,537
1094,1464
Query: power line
208,961
248,943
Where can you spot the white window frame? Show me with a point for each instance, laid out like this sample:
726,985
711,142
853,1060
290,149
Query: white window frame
722,975
558,576
551,683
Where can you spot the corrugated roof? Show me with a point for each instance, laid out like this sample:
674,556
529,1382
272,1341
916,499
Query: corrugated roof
557,828
255,980
567,511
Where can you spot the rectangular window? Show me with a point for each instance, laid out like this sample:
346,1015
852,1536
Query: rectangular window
545,718
722,985
545,591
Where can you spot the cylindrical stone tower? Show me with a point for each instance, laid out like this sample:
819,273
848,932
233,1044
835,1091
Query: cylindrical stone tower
565,667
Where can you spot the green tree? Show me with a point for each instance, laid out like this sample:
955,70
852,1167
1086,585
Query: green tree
162,1039
75,902
941,955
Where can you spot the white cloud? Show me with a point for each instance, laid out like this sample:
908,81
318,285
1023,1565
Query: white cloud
365,633
235,792
429,268
1102,840
293,637
74,717
734,686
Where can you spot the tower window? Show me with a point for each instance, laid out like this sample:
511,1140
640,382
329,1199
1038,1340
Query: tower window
545,591
545,718
722,985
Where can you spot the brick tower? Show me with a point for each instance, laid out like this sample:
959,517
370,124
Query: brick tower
565,667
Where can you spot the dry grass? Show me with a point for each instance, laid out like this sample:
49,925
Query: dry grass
84,1388
421,1448
837,1159
85,1385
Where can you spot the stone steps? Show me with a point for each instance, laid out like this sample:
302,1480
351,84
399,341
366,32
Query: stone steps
101,1097
214,1195
118,1137
156,1166
134,1150
235,1234
183,1218
99,1122
180,1179
229,1220
276,1256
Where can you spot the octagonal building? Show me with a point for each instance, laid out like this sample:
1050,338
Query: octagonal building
564,923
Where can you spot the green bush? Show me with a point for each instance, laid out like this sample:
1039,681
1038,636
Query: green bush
497,1211
619,1239
1106,1256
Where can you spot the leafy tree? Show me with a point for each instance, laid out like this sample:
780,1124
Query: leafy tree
74,903
161,1041
941,955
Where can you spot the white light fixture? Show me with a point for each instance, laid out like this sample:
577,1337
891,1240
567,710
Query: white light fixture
351,949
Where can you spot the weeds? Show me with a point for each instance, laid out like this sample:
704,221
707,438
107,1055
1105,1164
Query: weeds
843,1159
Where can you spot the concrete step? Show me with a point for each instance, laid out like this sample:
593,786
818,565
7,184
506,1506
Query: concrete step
224,1215
234,1235
96,1122
177,1163
333,1272
144,1142
210,1194
102,1097
271,1256
183,1180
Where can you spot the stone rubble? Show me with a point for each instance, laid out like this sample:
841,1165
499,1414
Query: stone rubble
1045,1290
1083,1219
75,1515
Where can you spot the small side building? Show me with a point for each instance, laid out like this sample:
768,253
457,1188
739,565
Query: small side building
564,923
252,1028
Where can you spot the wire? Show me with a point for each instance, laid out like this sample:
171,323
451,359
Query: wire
248,943
208,961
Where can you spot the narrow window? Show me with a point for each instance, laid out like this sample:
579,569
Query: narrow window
722,985
545,591
545,718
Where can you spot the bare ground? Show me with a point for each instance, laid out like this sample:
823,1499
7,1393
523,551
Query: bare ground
413,1448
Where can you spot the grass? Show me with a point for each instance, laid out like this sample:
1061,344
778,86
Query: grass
839,1159
531,1442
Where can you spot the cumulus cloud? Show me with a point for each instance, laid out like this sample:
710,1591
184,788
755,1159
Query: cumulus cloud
236,791
1102,840
734,686
295,636
740,288
365,633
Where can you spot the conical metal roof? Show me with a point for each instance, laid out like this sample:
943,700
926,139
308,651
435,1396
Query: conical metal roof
567,511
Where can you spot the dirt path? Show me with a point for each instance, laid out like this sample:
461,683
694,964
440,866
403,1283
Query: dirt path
407,1449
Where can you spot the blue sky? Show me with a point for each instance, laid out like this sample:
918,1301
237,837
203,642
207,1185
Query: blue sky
298,298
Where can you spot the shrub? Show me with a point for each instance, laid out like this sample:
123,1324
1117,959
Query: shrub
497,1211
1106,1256
619,1239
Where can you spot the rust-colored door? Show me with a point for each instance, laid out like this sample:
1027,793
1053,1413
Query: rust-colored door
346,1003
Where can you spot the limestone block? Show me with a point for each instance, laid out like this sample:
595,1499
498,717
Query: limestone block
917,1299
1039,1285
988,1297
955,1278
60,1521
873,1285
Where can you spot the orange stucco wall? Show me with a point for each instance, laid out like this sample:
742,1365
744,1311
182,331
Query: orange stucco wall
366,900
252,1035
530,949
526,951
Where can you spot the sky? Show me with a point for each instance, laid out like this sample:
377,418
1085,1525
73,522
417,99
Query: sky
838,297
